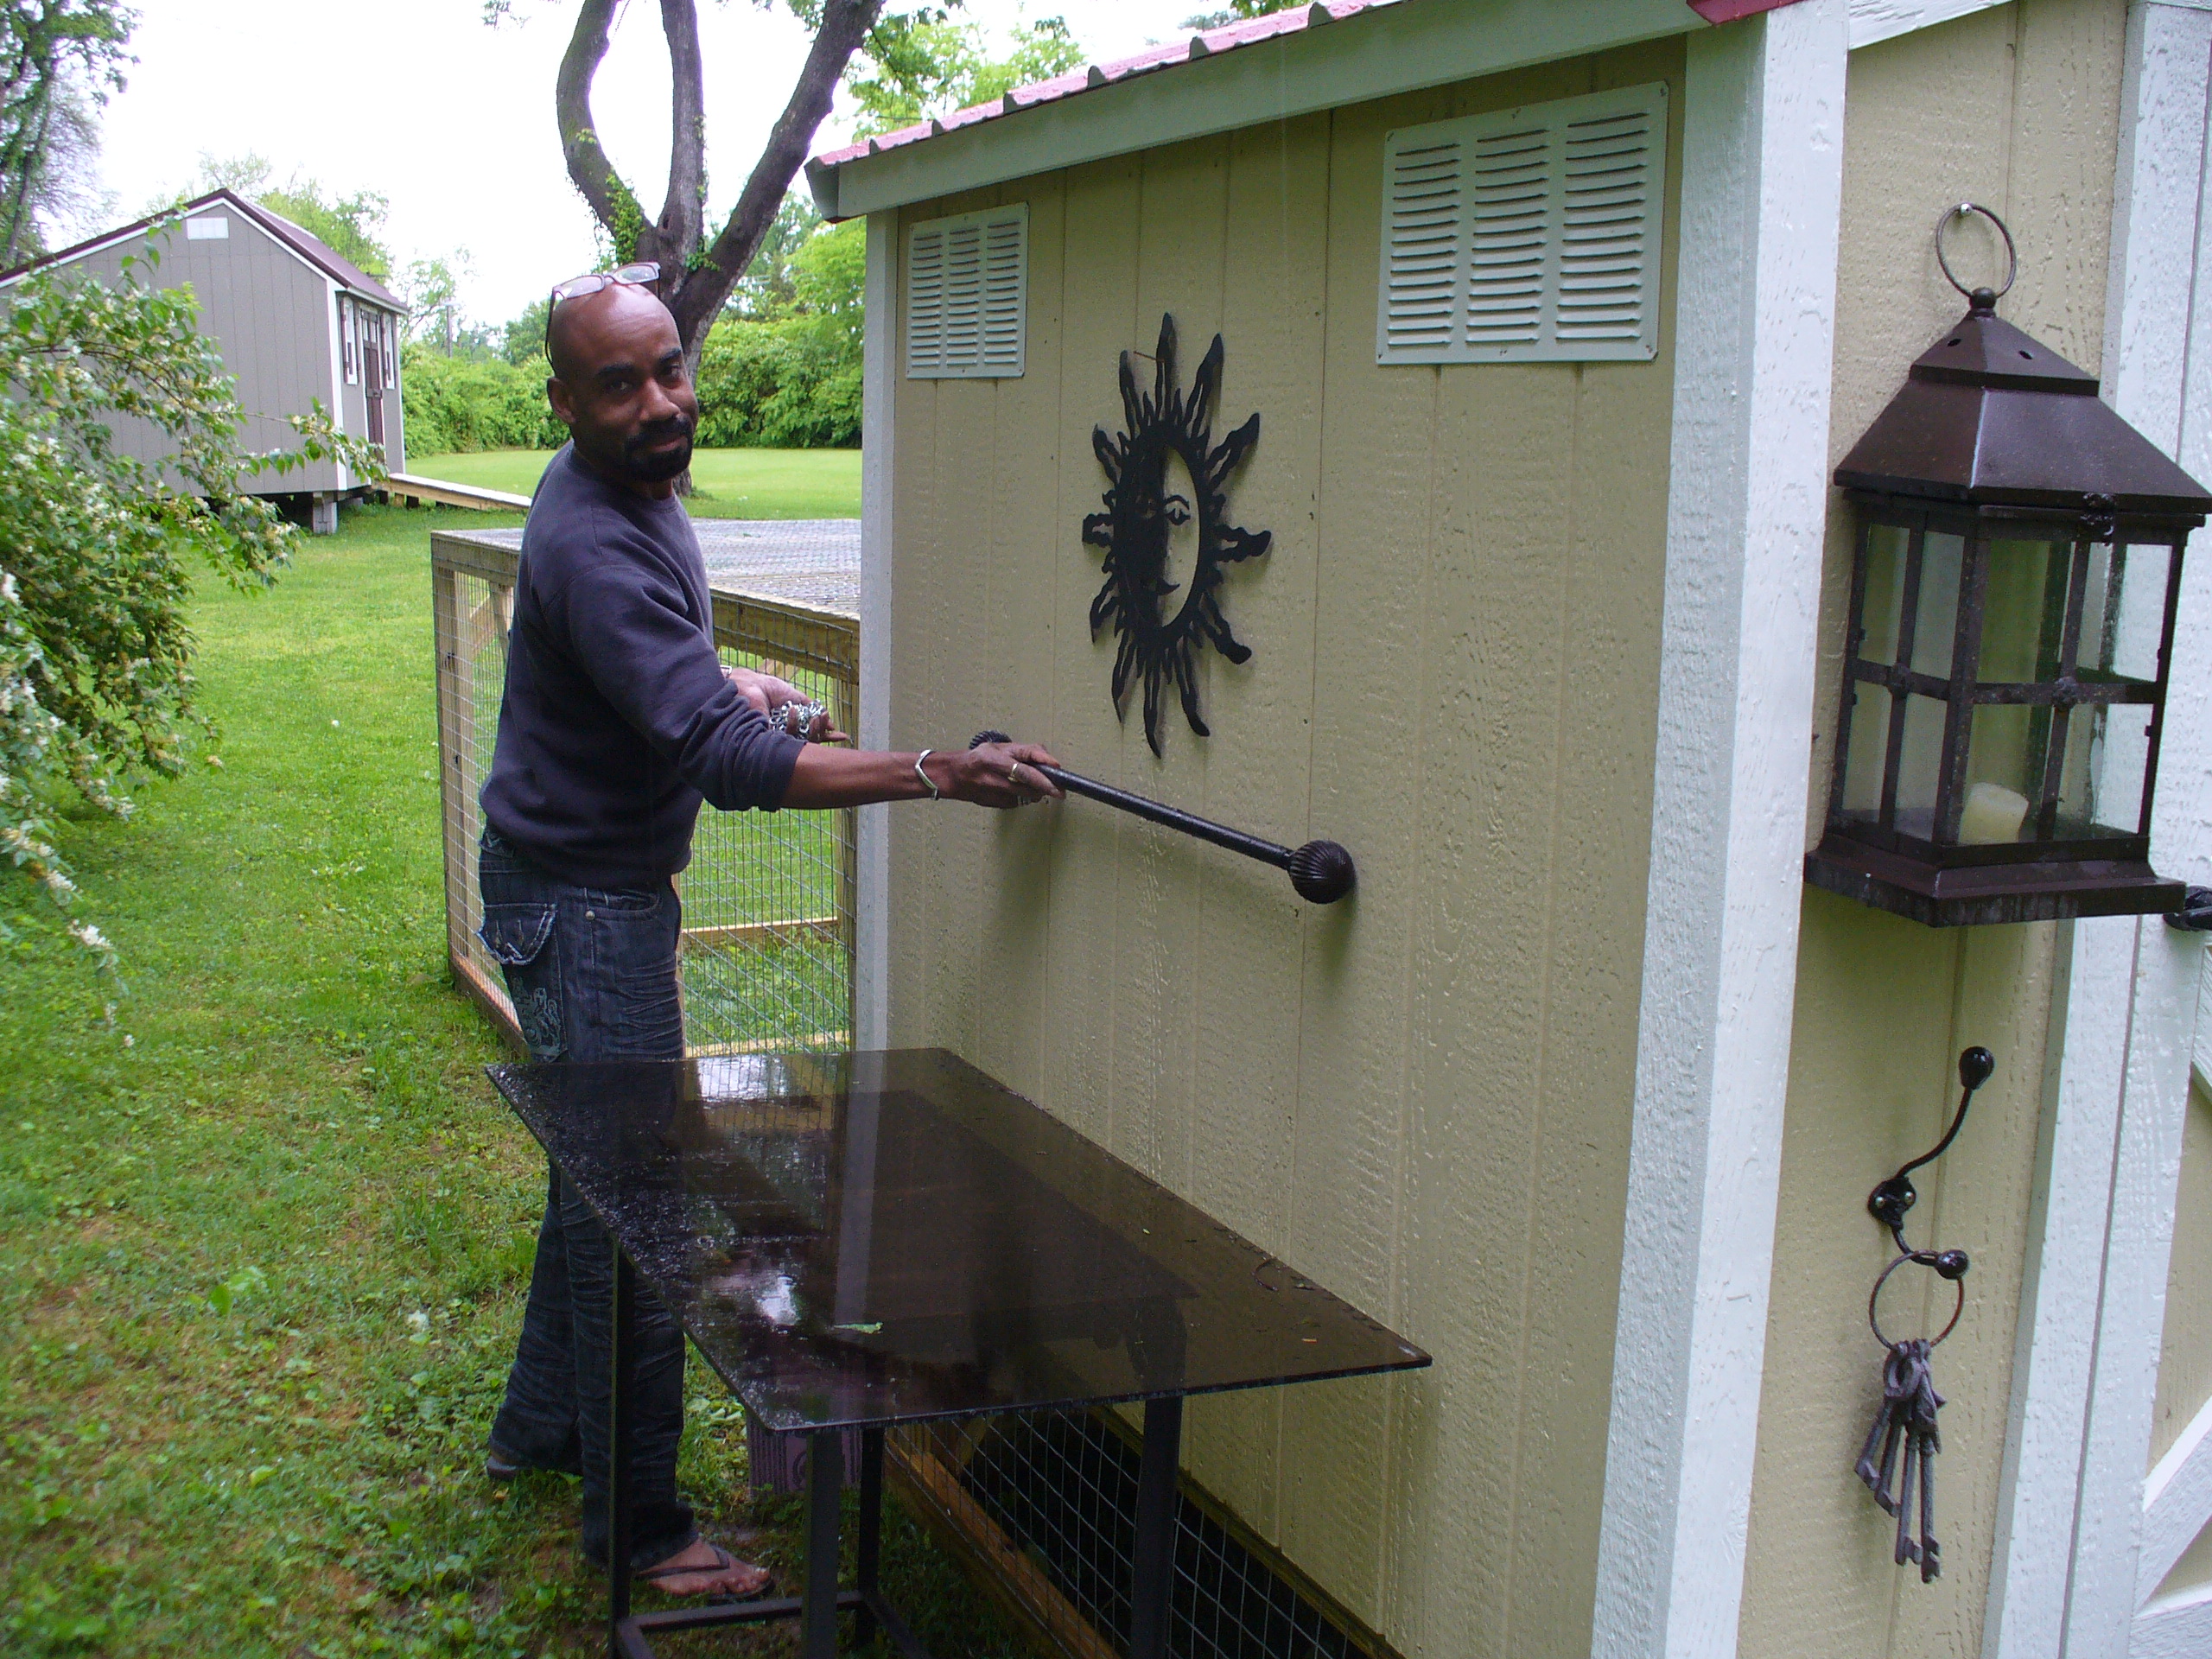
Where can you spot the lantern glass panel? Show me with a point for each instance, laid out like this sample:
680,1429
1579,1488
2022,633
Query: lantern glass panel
2101,788
2004,774
1886,547
2123,612
1936,618
1920,765
2023,612
1868,753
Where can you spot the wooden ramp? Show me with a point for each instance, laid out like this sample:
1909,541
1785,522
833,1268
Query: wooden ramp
435,491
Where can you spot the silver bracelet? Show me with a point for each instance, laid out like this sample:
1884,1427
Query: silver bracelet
924,776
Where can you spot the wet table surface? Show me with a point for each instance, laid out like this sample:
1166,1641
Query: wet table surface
872,1238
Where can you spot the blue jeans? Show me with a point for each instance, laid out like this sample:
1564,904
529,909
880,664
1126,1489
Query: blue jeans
592,975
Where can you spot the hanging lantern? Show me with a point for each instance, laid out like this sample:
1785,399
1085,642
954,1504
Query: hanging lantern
2010,627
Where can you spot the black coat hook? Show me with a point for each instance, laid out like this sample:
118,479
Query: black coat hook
1888,1202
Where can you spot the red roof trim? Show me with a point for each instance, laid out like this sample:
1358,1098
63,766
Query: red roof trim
1727,11
1228,38
1212,42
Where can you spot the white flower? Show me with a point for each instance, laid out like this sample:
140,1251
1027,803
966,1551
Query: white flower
418,1320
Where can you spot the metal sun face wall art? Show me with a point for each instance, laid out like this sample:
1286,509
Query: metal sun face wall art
1138,531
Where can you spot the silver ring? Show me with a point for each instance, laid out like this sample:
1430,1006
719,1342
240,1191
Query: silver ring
2012,253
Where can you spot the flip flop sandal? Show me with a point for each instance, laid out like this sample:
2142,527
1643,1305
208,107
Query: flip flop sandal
723,1562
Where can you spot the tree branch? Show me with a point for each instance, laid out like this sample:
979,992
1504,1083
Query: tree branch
683,217
610,200
697,295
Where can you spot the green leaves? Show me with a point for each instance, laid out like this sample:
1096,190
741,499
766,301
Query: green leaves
95,547
462,403
59,61
920,63
226,1294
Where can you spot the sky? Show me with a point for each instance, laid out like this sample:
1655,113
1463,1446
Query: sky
452,120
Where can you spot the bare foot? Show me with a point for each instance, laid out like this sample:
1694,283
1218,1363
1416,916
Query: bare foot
715,1572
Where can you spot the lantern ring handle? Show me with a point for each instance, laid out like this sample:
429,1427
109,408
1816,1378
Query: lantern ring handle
1925,1260
2012,253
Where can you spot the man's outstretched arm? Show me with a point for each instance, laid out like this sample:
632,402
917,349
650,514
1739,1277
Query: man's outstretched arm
995,774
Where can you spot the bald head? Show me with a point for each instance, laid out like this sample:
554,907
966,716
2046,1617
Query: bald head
620,387
579,330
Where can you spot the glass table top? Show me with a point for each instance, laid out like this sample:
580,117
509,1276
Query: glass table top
872,1238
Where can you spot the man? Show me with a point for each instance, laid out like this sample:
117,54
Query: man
617,720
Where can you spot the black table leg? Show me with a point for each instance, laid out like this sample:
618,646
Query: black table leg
825,1480
622,1389
1153,1561
871,1539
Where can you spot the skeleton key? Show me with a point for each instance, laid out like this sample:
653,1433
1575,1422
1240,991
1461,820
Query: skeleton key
1904,1429
1927,1442
1887,1433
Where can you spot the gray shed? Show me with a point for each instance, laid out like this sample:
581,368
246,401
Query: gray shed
295,321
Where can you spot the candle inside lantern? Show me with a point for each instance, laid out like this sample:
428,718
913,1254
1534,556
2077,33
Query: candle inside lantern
1992,814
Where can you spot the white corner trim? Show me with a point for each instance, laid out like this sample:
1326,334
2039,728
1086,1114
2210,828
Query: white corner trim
1754,342
879,389
335,322
2176,1504
2180,1627
2071,1522
2056,1339
2200,1067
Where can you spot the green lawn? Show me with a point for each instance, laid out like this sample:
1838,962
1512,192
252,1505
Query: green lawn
262,1230
726,483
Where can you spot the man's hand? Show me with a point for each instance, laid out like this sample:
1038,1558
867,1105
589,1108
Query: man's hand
994,774
763,691
767,694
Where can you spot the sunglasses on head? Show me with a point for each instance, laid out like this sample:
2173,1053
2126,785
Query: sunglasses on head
638,276
643,274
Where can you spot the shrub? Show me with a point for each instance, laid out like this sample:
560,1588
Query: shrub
790,383
459,403
96,682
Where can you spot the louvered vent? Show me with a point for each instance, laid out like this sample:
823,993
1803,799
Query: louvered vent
1421,279
967,293
1527,235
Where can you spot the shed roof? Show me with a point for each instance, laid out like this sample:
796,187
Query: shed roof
1197,47
308,246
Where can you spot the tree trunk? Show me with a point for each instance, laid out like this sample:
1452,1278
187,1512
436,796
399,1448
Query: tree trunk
700,275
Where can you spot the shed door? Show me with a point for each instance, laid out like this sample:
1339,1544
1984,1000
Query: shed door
373,379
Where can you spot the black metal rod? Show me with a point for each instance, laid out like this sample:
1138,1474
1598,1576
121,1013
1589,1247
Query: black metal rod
825,1479
1152,1565
1322,871
621,1408
1170,817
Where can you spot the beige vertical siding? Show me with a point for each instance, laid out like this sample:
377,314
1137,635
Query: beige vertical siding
267,314
2015,107
1421,1096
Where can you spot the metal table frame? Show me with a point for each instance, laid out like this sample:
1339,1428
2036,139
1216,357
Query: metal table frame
820,1601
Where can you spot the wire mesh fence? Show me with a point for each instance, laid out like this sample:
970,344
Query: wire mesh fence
1044,1502
768,897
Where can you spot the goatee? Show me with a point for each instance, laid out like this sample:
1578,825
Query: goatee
651,464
